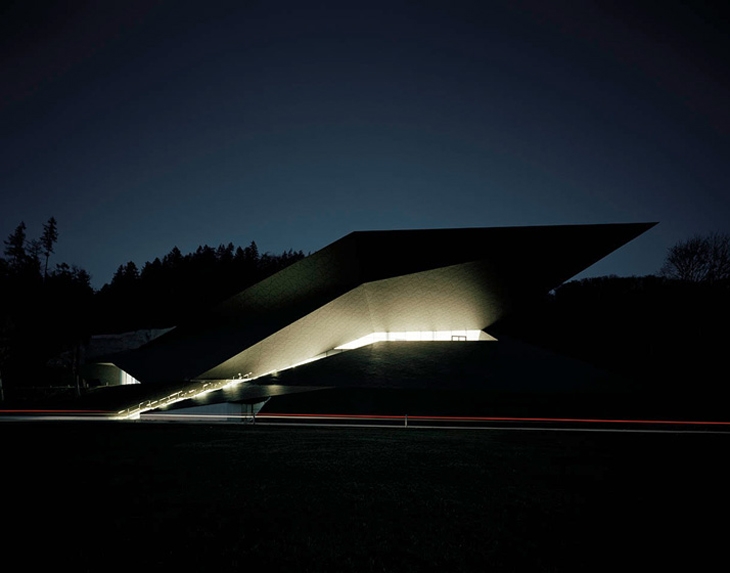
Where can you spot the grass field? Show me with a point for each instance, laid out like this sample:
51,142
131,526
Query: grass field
110,496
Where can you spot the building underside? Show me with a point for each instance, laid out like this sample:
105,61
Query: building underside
383,311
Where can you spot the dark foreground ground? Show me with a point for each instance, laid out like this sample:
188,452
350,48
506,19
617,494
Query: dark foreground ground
110,496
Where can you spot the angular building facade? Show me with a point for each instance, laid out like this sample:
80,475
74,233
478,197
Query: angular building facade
368,289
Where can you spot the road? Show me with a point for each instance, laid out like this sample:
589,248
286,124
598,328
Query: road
405,422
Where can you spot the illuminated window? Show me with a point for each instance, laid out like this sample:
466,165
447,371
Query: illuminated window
414,336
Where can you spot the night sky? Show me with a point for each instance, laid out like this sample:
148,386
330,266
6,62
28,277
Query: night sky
140,125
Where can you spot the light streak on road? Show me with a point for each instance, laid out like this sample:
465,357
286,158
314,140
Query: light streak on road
393,421
494,419
448,422
57,412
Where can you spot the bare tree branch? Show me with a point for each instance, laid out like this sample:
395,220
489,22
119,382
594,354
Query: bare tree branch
699,259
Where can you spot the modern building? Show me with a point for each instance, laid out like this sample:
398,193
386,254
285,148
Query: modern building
390,310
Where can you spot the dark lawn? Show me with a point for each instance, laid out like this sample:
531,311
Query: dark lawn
106,496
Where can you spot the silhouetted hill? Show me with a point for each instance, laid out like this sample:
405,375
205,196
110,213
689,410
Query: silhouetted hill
663,334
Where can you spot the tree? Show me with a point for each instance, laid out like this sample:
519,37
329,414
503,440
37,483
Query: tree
173,259
15,247
224,253
48,239
251,253
34,250
699,259
125,275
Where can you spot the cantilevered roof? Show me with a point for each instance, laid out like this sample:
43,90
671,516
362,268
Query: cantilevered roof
375,281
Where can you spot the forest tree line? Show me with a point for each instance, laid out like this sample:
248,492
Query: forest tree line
49,309
166,290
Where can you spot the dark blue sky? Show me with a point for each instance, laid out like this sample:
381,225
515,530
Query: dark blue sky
141,125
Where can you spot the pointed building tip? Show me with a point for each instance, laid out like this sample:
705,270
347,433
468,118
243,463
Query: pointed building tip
645,226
